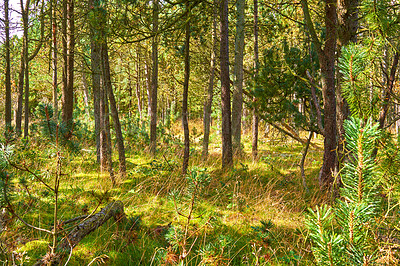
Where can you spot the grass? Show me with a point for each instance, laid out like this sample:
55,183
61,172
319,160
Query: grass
229,213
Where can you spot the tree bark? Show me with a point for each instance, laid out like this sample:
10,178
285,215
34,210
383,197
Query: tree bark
154,81
8,66
237,103
95,64
327,58
210,91
68,88
54,57
138,72
227,160
254,146
25,17
185,122
114,110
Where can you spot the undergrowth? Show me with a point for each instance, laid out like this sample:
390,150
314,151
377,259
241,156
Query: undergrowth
250,215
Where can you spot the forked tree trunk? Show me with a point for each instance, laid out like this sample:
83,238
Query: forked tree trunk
114,111
326,56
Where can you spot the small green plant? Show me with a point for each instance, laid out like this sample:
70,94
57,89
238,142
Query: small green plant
342,234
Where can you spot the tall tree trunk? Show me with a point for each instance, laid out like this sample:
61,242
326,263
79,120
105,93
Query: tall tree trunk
185,122
95,62
25,17
326,58
54,57
138,70
254,146
85,91
114,110
210,91
68,89
154,81
8,66
237,103
18,115
227,160
347,32
107,135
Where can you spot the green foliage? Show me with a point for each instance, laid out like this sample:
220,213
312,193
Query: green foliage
354,68
341,234
280,87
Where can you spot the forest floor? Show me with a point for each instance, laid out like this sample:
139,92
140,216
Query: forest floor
251,215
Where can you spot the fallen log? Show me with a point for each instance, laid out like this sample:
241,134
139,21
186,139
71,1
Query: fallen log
114,209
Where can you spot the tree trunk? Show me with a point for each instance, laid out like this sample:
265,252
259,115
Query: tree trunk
326,57
254,146
68,89
113,210
54,57
8,66
107,135
18,115
237,103
154,81
227,160
210,91
185,122
114,110
138,94
85,91
95,63
25,17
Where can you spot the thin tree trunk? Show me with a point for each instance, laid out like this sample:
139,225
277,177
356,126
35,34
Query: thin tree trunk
85,91
254,146
154,81
138,95
185,122
25,17
227,160
114,110
8,66
95,62
210,91
237,103
54,57
107,129
18,115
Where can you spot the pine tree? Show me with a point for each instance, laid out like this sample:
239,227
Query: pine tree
355,210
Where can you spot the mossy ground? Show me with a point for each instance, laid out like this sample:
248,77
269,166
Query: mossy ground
230,213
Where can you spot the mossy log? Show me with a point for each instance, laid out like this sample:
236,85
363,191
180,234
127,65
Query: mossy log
114,209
